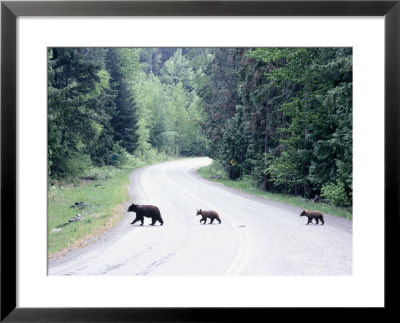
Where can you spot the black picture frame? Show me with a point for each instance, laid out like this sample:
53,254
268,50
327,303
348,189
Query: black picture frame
10,10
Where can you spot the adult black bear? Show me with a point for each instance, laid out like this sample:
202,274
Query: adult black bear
148,211
313,215
212,215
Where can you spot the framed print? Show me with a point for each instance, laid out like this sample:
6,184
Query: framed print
167,45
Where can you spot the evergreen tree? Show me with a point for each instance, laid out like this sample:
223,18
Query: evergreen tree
279,117
78,107
122,65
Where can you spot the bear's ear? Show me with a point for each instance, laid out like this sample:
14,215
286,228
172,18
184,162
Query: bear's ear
200,210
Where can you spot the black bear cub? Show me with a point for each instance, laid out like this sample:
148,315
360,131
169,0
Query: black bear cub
313,215
212,215
148,211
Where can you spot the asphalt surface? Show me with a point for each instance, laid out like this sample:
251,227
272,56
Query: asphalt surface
256,236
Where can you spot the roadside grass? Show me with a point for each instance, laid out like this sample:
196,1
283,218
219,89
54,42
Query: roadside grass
105,198
208,172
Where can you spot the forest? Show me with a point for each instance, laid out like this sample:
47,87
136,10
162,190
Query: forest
278,117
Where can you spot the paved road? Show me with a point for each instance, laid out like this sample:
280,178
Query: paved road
256,236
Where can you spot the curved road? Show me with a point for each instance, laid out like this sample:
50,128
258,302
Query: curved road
256,236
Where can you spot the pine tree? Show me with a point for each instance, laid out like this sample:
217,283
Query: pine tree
122,64
78,104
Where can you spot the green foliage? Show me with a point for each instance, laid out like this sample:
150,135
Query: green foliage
169,114
218,170
283,114
282,170
151,156
336,194
104,193
279,118
177,70
123,65
247,185
248,181
99,216
118,156
79,107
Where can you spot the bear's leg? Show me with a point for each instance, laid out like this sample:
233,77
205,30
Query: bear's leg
161,221
309,220
322,220
141,220
219,220
316,220
136,220
211,220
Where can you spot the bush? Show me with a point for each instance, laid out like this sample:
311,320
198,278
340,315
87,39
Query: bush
75,165
218,170
336,194
282,170
249,181
118,156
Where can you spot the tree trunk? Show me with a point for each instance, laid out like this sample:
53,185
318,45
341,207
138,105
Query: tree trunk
58,164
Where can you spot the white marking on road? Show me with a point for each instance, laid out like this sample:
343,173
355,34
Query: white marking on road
244,251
